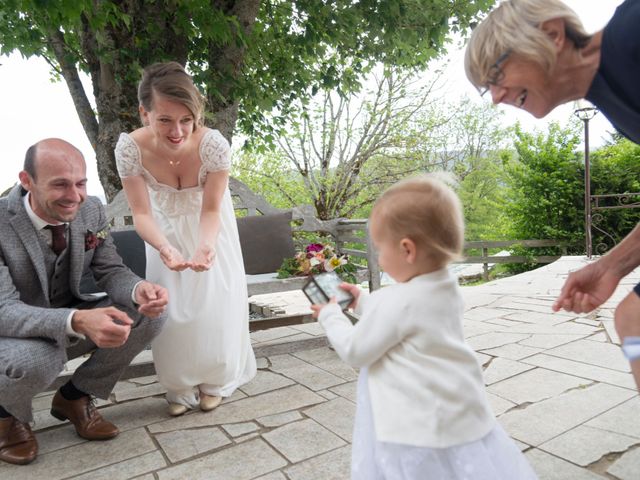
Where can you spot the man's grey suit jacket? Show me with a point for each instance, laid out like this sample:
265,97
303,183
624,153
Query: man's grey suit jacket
25,311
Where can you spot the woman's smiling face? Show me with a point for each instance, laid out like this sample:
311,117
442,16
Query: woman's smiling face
524,84
171,122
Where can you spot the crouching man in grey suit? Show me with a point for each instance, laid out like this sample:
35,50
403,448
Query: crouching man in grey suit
51,233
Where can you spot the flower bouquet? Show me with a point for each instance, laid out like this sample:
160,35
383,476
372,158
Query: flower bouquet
318,258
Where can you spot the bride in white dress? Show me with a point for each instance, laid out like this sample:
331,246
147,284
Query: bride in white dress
175,174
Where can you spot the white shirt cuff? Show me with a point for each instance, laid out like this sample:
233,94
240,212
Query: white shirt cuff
70,331
133,292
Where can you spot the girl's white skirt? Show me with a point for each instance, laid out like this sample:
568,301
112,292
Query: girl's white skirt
493,457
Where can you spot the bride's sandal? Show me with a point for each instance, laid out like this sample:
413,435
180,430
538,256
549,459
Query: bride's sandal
209,402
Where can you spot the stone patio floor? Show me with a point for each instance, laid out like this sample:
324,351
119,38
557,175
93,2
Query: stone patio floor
558,383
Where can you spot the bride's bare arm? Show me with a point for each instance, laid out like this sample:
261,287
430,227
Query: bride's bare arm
138,197
214,188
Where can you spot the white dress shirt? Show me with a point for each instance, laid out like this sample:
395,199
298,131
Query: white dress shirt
40,225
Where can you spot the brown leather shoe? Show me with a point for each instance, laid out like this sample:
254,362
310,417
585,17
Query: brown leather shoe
17,443
84,416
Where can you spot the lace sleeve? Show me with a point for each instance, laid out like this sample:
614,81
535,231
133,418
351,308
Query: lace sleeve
215,153
127,157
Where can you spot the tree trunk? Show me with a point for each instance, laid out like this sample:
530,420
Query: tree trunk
115,55
226,63
115,76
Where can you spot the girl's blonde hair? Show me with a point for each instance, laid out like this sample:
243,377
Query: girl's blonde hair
514,27
427,211
171,81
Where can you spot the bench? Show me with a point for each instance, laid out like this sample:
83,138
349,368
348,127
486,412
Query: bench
268,235
256,219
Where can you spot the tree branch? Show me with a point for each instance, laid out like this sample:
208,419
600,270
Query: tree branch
76,89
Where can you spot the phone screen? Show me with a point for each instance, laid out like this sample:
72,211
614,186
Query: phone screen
322,287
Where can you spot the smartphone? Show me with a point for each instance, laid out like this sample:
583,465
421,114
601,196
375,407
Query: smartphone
320,288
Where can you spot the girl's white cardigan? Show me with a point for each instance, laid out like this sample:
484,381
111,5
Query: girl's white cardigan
425,382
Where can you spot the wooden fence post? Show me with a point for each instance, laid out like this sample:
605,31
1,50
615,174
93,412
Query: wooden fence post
485,266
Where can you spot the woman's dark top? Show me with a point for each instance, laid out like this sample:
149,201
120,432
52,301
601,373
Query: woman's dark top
615,90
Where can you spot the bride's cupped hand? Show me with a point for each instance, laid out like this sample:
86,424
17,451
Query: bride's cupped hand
203,258
173,259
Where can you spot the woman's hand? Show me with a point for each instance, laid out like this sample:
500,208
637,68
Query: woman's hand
203,258
173,259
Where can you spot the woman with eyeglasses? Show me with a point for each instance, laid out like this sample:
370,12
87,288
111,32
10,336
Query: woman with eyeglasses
536,55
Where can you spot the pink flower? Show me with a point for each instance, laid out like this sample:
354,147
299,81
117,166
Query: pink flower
314,247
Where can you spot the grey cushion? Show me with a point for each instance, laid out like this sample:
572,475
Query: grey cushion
266,241
131,248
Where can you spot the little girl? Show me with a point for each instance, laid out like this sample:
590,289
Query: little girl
421,410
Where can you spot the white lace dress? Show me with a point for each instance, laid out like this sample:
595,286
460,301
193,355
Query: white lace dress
205,343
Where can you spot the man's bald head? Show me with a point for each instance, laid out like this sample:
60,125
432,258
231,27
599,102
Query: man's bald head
48,144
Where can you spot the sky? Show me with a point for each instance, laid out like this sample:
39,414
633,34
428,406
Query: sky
34,107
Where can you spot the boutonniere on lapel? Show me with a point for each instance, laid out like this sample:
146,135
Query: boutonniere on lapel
93,240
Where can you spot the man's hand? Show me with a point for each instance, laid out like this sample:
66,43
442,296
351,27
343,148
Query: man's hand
151,298
107,327
587,288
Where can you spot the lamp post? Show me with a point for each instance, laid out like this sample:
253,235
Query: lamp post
585,112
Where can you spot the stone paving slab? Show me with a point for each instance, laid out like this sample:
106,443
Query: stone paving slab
337,415
549,467
535,385
326,359
301,440
499,405
330,466
282,400
86,457
502,368
623,419
266,381
557,382
542,421
585,445
512,351
627,466
182,444
605,355
583,370
149,462
304,373
242,462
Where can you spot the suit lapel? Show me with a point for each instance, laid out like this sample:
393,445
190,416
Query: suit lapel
23,227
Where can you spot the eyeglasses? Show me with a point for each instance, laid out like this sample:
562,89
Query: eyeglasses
496,75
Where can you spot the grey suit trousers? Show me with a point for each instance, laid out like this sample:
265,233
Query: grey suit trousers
29,365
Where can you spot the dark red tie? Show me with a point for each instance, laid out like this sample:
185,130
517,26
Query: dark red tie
59,240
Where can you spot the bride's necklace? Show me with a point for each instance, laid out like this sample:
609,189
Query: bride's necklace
174,163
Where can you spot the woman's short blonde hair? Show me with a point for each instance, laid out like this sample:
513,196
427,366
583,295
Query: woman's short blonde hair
514,27
171,81
426,210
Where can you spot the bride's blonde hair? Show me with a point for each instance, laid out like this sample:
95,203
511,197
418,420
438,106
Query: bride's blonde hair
171,81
